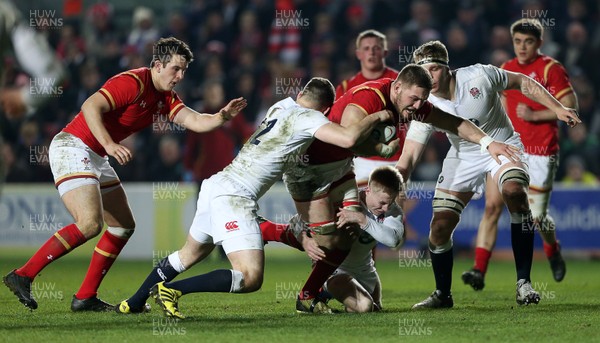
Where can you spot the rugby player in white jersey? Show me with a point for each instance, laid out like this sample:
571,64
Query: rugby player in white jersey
473,93
227,204
355,283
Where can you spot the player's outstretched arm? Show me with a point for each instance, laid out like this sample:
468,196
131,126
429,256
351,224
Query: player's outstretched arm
416,140
536,92
92,110
525,113
204,122
347,137
466,130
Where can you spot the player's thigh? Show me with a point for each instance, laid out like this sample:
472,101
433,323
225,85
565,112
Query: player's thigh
493,199
85,205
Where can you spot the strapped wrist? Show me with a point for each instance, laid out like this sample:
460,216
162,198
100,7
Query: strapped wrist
485,142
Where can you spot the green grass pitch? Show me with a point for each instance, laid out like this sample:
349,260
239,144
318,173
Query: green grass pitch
569,311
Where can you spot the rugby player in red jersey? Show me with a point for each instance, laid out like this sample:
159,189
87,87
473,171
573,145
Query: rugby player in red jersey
89,186
326,182
371,50
538,128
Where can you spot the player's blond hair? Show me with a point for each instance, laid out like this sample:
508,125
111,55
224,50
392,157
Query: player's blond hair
528,26
433,51
386,179
374,34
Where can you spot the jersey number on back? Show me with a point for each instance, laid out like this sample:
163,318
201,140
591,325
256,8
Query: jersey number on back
270,125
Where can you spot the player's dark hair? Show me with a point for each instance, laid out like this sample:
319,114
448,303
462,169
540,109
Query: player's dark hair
320,91
433,51
165,48
372,34
528,26
386,178
413,74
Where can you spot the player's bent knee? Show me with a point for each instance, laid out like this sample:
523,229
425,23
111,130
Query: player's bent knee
90,228
443,201
246,282
514,182
120,232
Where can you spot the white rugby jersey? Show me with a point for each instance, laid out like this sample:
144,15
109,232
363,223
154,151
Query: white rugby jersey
278,143
477,98
388,230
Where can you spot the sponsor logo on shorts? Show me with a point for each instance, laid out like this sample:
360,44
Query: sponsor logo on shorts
232,226
441,179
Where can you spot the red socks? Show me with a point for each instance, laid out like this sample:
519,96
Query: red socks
482,258
322,270
105,253
63,241
551,249
279,233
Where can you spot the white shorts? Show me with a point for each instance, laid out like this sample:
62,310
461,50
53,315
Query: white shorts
74,164
368,279
541,171
364,166
226,215
310,182
462,172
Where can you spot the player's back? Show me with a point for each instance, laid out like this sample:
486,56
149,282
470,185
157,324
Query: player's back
278,143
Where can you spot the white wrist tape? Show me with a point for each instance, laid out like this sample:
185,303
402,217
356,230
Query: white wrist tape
485,142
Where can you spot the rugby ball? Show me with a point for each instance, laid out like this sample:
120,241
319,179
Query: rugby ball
384,133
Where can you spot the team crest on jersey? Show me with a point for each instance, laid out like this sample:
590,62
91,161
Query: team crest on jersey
475,93
143,104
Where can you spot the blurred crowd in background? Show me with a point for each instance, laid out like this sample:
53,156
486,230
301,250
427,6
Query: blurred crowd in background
266,50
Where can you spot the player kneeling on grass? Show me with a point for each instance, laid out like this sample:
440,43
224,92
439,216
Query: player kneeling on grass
227,203
355,283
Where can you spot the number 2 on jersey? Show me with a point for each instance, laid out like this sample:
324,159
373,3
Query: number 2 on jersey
270,125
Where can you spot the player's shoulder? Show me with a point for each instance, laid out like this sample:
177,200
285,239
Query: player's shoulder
510,65
549,63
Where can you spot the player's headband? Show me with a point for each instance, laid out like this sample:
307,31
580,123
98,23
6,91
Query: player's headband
433,60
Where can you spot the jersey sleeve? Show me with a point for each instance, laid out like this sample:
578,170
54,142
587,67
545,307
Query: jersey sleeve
557,80
122,90
311,121
368,99
390,232
175,105
497,77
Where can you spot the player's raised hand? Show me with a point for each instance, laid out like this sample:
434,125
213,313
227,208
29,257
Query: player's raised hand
119,152
569,116
233,108
509,151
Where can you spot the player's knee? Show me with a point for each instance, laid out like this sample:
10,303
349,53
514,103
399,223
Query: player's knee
493,210
251,282
362,305
440,232
90,227
514,183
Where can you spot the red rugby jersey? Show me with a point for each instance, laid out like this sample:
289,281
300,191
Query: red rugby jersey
134,105
539,138
370,97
